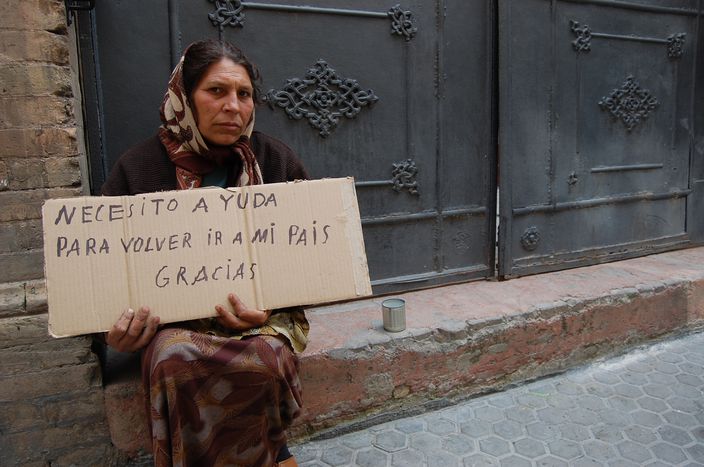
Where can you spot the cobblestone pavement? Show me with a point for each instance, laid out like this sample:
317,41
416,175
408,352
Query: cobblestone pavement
645,408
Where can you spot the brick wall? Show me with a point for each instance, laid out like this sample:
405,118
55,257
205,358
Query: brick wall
51,402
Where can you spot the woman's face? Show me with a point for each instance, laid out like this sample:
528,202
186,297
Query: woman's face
223,101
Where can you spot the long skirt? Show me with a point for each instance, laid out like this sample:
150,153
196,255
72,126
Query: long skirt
217,401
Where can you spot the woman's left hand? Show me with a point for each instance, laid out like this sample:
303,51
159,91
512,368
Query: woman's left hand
243,318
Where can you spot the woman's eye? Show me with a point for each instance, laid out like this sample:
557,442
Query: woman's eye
245,93
216,90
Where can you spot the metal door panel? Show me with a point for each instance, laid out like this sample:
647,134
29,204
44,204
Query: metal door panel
421,148
461,233
525,126
622,229
695,217
401,249
467,129
650,156
605,173
132,98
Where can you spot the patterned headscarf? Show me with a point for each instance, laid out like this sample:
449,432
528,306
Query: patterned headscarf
186,147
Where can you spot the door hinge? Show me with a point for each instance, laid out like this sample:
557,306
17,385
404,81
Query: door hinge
72,6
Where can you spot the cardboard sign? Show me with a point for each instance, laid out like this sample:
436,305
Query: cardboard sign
182,252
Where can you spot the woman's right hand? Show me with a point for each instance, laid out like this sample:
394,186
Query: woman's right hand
132,331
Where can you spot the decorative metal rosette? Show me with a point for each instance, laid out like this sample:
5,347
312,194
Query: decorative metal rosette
583,42
227,13
675,45
402,22
403,176
530,238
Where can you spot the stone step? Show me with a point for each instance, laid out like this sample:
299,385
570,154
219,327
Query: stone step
464,339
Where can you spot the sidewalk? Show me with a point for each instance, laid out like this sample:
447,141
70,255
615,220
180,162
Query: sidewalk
645,408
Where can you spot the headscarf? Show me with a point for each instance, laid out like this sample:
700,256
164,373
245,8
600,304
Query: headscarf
186,147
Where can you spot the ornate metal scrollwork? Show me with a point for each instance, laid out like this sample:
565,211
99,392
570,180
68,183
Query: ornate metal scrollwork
403,176
583,42
227,13
230,13
530,238
584,36
630,103
402,22
322,97
675,45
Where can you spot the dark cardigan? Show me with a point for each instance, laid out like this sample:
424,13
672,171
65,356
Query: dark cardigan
146,167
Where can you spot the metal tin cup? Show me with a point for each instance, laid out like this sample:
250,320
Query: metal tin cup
394,314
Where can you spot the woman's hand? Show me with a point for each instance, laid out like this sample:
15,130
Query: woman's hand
132,331
243,317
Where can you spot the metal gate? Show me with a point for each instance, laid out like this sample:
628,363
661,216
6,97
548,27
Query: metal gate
599,104
399,96
602,149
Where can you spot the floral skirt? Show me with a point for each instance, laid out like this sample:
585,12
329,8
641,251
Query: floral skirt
217,401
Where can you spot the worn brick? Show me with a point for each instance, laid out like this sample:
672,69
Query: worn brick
64,422
32,79
27,463
46,412
12,298
31,173
75,406
49,355
40,444
62,172
25,297
48,382
31,352
24,205
101,454
4,175
24,330
22,265
47,15
22,174
41,142
20,416
130,431
35,111
35,296
19,236
41,46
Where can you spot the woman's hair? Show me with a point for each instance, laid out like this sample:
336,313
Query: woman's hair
200,55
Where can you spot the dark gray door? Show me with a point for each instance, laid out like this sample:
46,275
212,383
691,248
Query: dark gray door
600,157
398,96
